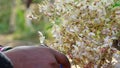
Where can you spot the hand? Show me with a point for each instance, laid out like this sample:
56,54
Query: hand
36,57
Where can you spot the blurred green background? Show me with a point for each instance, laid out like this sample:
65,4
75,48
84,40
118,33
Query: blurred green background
13,26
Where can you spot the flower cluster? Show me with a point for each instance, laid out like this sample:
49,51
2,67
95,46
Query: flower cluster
86,30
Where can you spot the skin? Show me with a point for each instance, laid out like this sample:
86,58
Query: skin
36,57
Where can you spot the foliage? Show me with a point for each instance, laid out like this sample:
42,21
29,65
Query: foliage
86,30
22,31
117,3
4,15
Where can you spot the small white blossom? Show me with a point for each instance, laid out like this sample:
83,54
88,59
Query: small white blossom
91,34
41,37
106,40
86,31
91,8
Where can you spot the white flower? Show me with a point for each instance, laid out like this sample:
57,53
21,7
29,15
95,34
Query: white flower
88,49
57,0
76,28
58,7
82,20
106,45
107,19
116,56
113,37
97,20
68,1
73,17
82,15
56,31
118,12
117,65
91,8
31,17
83,7
41,37
71,29
91,34
75,47
95,66
105,31
108,2
106,40
79,43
